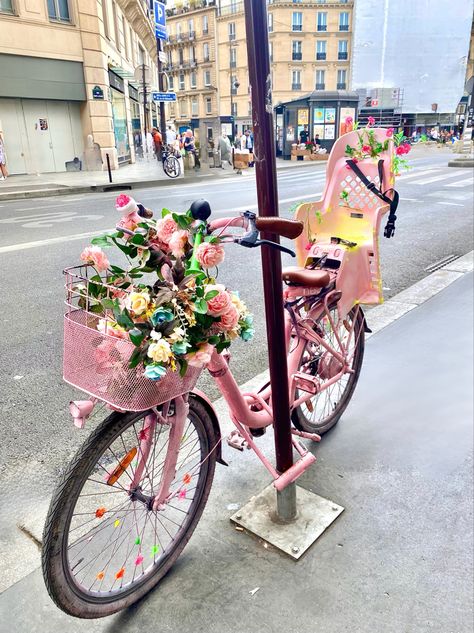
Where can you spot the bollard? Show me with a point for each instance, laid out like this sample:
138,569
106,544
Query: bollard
108,167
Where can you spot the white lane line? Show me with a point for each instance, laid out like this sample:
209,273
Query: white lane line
416,173
69,238
451,204
460,183
410,199
443,176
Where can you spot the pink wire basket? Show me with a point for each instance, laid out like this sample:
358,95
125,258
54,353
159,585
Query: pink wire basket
97,362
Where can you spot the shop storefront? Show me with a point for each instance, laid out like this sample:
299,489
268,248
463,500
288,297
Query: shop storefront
119,117
320,115
135,120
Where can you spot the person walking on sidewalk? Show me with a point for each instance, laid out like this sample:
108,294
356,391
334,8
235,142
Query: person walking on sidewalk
170,136
3,160
157,142
190,147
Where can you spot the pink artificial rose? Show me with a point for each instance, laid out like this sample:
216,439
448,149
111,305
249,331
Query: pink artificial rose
407,147
366,149
108,327
308,246
389,132
370,121
229,319
95,256
130,221
125,204
209,255
165,229
103,351
220,303
201,357
177,242
400,150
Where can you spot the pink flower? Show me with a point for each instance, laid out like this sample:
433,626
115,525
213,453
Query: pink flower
130,221
102,352
95,256
165,229
389,132
111,329
125,204
229,319
403,149
308,246
366,149
177,242
201,357
407,147
370,121
220,303
209,255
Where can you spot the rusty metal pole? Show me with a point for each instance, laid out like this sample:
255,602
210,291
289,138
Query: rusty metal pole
267,196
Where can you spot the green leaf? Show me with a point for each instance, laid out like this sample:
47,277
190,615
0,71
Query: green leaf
211,294
222,345
123,318
165,212
183,368
102,241
136,336
108,304
201,306
117,270
213,340
138,238
135,358
200,291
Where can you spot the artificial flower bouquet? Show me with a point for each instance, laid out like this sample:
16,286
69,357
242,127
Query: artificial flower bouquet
173,318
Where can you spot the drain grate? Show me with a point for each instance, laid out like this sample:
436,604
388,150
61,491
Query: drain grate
439,264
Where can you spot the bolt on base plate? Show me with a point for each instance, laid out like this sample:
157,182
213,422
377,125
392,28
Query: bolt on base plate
315,514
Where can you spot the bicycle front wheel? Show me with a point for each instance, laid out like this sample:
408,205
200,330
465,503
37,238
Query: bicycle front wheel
323,411
171,166
104,547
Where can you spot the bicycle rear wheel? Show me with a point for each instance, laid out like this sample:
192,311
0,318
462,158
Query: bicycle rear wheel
104,548
171,166
323,411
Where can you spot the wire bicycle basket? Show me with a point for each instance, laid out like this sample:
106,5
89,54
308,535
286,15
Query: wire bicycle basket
96,357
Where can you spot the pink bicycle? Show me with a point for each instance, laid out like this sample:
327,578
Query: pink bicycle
133,495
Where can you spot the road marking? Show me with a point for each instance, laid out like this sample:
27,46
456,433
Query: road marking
415,175
52,240
460,183
410,199
443,176
451,204
46,220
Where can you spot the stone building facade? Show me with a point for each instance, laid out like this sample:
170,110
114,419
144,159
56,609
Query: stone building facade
67,82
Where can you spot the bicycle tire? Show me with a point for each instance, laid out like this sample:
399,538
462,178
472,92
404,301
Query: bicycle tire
299,417
171,167
67,595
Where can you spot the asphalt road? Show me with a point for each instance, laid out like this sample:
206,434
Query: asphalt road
38,238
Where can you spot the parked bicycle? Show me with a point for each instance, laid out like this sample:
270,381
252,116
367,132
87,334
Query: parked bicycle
131,498
171,165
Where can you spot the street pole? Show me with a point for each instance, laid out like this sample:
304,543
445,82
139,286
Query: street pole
231,107
159,48
267,197
144,101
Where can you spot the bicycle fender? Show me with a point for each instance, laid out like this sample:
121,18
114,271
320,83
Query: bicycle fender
207,404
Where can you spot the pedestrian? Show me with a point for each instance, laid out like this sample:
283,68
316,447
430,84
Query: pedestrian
170,136
3,160
157,142
225,148
317,142
304,135
190,147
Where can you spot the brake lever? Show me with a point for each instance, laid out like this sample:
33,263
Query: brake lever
279,247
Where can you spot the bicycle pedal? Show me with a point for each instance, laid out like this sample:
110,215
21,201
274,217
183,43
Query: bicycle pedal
235,440
306,382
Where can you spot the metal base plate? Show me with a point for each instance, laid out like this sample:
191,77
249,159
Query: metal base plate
315,514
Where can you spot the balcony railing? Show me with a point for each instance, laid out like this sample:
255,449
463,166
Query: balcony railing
296,86
342,55
230,9
297,57
320,86
341,86
322,27
343,27
296,27
233,63
320,56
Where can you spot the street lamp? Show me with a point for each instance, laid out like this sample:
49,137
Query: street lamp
233,84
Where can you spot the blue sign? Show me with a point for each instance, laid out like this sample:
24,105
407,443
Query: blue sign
160,20
163,96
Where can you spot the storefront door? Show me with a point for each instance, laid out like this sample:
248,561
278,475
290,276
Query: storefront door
40,144
119,114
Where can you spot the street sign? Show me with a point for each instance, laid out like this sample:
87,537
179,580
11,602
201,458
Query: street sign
163,57
160,20
163,96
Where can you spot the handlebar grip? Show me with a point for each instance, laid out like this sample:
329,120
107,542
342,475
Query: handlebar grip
280,226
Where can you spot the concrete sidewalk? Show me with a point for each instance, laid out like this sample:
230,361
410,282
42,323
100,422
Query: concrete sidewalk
144,173
398,560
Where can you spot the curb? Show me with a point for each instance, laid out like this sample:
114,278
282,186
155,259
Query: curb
461,162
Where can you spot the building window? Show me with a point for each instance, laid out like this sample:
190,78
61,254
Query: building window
181,82
233,6
296,80
193,80
191,31
233,58
344,21
233,89
322,24
297,1
181,57
170,82
270,50
321,49
320,79
116,26
57,10
125,39
6,6
192,54
341,79
194,107
205,52
183,107
205,25
342,49
297,21
179,30
132,46
270,22
231,31
297,50
208,105
207,77
233,109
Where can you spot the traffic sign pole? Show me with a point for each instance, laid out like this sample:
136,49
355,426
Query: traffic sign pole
160,33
